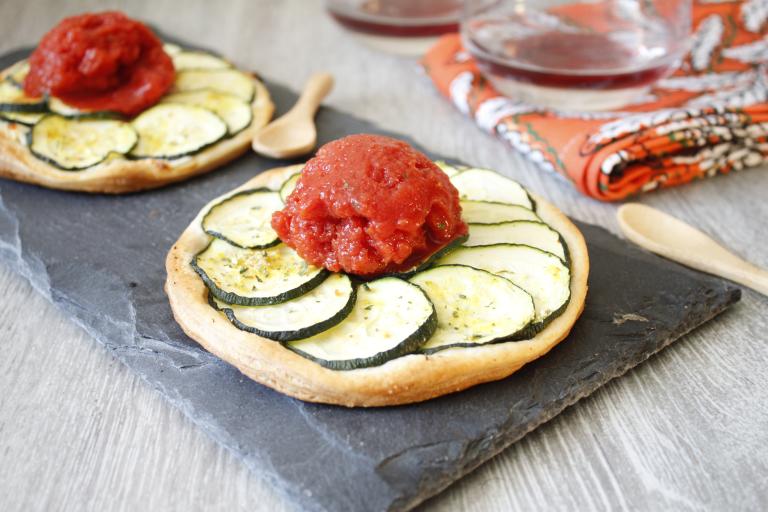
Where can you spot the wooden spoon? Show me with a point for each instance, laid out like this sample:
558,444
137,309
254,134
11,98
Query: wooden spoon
294,134
674,239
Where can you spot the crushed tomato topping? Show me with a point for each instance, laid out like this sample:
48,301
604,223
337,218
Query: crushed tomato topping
368,205
101,61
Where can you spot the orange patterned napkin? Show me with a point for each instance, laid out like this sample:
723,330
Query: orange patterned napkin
709,117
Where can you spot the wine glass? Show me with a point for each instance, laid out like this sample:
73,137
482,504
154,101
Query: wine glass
406,27
576,55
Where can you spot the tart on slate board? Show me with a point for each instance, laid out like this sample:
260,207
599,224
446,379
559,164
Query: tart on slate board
372,276
102,105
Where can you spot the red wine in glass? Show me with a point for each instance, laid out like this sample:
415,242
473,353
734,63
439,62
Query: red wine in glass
591,59
399,26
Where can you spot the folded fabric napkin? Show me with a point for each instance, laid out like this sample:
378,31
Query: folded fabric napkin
709,117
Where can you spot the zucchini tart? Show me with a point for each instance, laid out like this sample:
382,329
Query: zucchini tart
500,293
169,114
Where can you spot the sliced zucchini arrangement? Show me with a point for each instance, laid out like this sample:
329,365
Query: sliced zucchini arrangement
244,219
56,106
487,185
253,277
197,60
503,283
317,310
232,110
288,186
13,99
527,232
449,169
210,101
18,72
391,318
486,212
22,118
473,307
230,81
78,144
543,275
171,130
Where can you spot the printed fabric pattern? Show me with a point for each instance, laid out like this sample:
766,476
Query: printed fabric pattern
710,117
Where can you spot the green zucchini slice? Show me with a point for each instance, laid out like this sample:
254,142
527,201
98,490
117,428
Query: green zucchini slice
391,318
13,99
535,234
474,307
197,60
18,73
450,170
484,212
172,49
76,144
25,118
427,262
169,130
57,106
314,312
542,274
244,219
486,185
254,277
233,110
229,81
288,185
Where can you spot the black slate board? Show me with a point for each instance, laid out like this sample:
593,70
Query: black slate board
101,259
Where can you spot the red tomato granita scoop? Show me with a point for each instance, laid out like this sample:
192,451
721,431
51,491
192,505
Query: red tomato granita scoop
369,205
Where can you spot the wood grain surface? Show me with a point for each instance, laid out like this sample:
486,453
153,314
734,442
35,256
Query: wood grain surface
688,430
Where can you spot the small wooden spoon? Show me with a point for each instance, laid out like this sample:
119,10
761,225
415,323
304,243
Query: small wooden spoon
294,134
674,239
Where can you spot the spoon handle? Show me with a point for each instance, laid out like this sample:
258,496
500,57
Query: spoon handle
716,260
317,87
749,275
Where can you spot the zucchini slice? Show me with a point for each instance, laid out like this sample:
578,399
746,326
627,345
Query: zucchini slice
254,277
288,185
172,131
185,59
542,274
172,49
13,99
18,73
391,318
486,185
484,212
230,81
312,313
76,144
450,170
57,106
474,307
535,234
244,219
25,118
234,111
426,263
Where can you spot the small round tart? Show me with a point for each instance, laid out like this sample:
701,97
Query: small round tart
232,121
412,376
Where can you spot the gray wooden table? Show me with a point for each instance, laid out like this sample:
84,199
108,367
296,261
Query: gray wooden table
688,430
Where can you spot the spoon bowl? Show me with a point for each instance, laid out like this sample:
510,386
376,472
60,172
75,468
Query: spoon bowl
294,134
286,138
